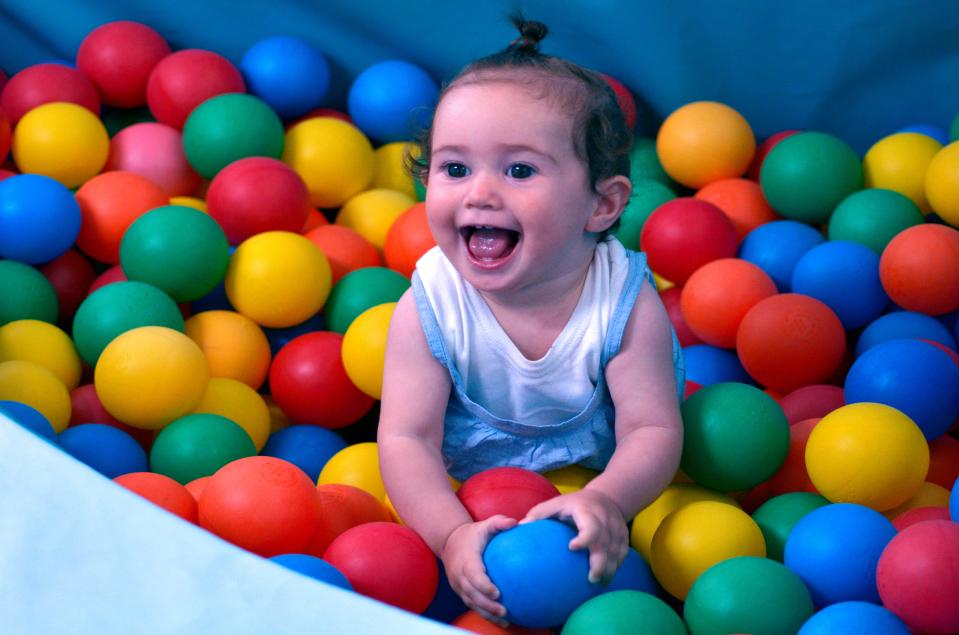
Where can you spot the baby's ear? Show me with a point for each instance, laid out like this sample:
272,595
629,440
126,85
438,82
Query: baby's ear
613,196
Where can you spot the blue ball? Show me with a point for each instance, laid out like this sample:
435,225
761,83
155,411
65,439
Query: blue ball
843,275
835,550
39,219
914,377
633,575
30,418
305,446
541,582
215,300
929,130
108,450
854,617
447,605
954,501
288,73
278,338
777,246
314,567
707,364
392,100
904,325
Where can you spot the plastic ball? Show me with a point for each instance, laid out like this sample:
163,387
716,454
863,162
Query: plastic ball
278,338
741,200
407,240
373,212
63,141
162,491
899,163
306,446
928,495
919,269
873,217
229,127
71,275
867,453
278,279
44,344
27,294
935,132
333,158
118,58
345,249
233,344
364,348
474,623
197,445
86,408
391,100
777,246
672,302
918,576
703,142
763,149
28,417
792,475
707,365
357,465
36,386
240,404
313,567
633,575
942,184
624,98
904,325
5,134
647,195
790,340
943,461
153,150
815,400
108,450
360,290
261,504
778,515
44,84
510,491
196,488
255,195
389,168
623,612
644,163
309,382
918,515
151,375
747,595
185,79
954,502
117,308
39,218
571,478
684,234
344,507
387,562
806,175
288,73
695,537
850,617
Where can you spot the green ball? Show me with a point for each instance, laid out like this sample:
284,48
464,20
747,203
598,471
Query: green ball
873,217
117,308
647,196
747,594
954,129
180,250
644,163
736,436
198,445
777,517
229,127
359,290
806,175
419,188
26,295
624,613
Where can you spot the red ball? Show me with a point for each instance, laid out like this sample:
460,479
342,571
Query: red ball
344,507
109,276
310,385
671,299
320,112
943,461
683,234
918,576
255,195
624,98
816,400
183,80
45,83
118,57
763,149
196,487
86,408
510,491
792,475
71,276
161,490
154,150
741,200
5,135
718,295
313,220
345,249
915,515
790,340
387,562
408,239
919,269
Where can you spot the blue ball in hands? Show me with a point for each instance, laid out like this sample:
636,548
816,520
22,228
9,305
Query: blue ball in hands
541,582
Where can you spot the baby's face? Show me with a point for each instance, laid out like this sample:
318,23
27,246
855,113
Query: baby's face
508,198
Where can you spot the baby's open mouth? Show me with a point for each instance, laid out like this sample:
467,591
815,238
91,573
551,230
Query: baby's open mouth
489,243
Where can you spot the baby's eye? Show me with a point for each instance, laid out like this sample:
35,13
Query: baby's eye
455,170
521,171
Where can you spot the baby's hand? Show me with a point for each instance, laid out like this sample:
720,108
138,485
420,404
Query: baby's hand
601,526
463,558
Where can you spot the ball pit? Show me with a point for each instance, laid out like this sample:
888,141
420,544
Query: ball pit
777,246
108,450
308,447
153,150
344,506
904,325
778,516
233,344
345,249
183,80
288,73
510,491
41,84
873,217
373,212
44,344
28,417
118,58
36,386
647,195
357,465
197,445
364,348
847,617
360,290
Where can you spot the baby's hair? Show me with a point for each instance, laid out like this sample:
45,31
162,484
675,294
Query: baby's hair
600,135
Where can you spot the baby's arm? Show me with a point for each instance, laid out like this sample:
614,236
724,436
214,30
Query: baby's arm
649,439
416,389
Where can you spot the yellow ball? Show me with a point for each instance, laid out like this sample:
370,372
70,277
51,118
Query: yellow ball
364,348
571,478
662,283
151,375
867,453
942,184
278,279
389,169
928,495
38,387
233,344
648,520
357,465
43,343
703,142
189,201
373,212
61,140
333,158
899,162
240,404
698,535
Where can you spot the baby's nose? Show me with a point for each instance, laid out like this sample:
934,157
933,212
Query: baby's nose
483,192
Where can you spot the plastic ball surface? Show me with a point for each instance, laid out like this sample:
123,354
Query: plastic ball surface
848,617
873,217
942,183
333,157
28,417
373,212
899,162
233,344
118,58
306,446
36,386
360,290
63,141
345,249
29,294
919,269
185,79
288,73
44,344
106,449
197,445
778,515
313,567
510,491
623,612
39,218
162,491
777,246
357,465
390,100
364,348
41,84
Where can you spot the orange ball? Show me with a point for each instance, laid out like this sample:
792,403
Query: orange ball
919,269
741,200
718,295
161,490
408,239
109,203
233,344
345,249
315,218
344,507
475,623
